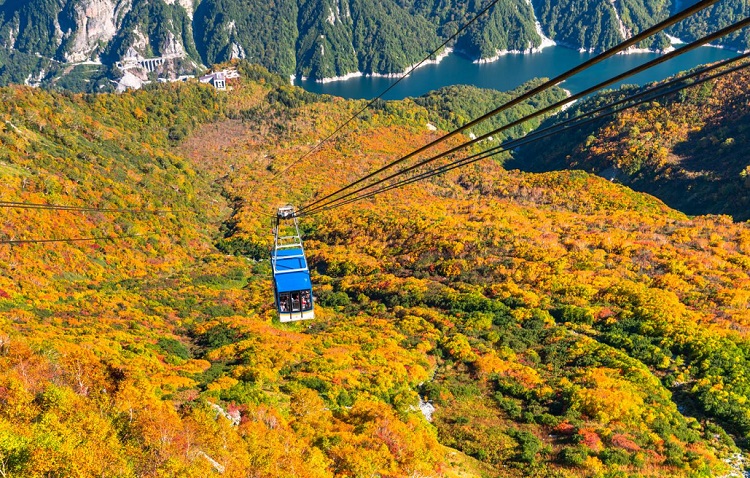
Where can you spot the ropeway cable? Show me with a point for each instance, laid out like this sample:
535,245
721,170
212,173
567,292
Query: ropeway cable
520,142
529,94
647,95
75,239
633,71
62,207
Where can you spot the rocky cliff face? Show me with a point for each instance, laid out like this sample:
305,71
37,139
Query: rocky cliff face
41,37
186,4
93,24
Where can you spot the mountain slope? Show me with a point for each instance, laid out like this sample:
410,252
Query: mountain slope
492,271
690,150
719,15
561,325
76,44
596,26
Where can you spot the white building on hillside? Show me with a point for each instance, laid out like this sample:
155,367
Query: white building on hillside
219,78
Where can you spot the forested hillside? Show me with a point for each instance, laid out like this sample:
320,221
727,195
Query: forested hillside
691,149
720,15
75,44
561,325
595,26
454,106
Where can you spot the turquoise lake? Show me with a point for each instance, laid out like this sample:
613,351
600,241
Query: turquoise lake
512,70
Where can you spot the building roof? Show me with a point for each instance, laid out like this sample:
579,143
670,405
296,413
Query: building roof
219,75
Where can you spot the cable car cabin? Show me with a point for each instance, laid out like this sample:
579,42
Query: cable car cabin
291,277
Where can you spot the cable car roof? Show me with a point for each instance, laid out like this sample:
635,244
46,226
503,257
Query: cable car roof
293,281
290,270
288,260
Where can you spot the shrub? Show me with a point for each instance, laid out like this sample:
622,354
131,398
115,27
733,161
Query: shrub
612,456
571,313
529,445
219,336
173,347
572,456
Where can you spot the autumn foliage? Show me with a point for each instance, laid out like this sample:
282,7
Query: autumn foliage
560,325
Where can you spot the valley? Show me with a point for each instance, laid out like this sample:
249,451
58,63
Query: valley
560,324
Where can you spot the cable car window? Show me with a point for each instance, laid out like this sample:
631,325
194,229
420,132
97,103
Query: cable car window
284,301
295,302
305,298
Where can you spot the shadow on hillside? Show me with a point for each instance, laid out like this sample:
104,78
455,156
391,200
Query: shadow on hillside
704,178
722,149
712,161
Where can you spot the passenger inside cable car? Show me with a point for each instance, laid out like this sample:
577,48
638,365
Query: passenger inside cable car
295,301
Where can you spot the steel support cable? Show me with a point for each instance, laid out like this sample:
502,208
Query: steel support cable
528,139
520,142
632,71
555,129
258,211
383,93
75,239
652,93
534,91
61,207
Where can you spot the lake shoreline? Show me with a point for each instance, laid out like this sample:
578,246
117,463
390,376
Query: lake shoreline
509,72
546,43
357,74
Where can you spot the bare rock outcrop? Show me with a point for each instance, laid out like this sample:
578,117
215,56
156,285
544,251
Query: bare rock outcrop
95,24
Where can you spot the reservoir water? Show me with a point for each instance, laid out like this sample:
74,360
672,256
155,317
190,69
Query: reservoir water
512,70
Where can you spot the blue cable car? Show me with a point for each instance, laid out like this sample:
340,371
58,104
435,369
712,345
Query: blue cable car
291,277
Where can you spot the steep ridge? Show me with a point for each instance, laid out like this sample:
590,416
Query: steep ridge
559,324
48,39
689,150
